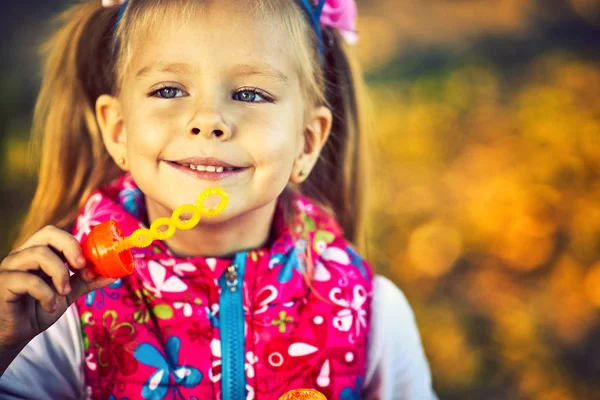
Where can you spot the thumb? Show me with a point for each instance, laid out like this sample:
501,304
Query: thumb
80,287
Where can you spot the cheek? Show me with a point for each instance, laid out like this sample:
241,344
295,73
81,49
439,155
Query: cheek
273,154
279,132
149,123
275,148
275,144
146,137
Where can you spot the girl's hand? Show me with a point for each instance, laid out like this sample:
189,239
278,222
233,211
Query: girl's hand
36,289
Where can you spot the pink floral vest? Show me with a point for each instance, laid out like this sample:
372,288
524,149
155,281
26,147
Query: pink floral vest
250,326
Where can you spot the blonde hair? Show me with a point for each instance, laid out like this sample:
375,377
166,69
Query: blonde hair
87,57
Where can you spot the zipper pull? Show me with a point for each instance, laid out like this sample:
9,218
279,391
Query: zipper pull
231,277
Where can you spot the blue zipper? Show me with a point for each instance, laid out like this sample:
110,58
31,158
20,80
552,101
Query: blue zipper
231,326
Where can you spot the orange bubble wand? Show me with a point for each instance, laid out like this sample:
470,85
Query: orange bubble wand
110,251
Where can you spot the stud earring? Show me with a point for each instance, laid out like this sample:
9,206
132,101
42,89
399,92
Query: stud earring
302,174
122,160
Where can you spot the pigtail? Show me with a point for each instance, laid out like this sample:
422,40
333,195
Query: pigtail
338,179
66,138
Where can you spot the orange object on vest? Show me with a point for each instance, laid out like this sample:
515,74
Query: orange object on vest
99,249
303,394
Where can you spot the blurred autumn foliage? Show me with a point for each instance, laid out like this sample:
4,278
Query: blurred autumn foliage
487,205
485,193
489,219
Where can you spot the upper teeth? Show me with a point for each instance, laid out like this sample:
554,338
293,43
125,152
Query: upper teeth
208,168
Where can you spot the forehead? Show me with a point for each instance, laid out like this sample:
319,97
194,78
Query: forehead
213,36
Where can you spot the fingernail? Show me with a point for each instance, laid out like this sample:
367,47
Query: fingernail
89,274
53,305
81,261
67,289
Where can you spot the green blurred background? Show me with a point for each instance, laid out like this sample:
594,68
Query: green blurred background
487,180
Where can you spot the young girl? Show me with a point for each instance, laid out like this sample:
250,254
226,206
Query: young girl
143,106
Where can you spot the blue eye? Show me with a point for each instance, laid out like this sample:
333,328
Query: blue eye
251,96
168,92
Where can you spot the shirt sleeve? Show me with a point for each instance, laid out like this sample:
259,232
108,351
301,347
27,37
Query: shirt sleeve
50,366
397,368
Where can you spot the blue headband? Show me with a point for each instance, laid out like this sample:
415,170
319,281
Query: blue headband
313,12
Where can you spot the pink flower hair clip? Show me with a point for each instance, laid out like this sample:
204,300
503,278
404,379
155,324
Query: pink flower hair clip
341,14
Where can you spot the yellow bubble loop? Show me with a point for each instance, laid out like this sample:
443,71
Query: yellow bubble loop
216,210
159,223
164,228
186,224
142,238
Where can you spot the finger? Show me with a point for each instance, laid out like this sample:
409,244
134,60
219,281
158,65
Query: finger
19,283
81,287
44,259
61,241
88,274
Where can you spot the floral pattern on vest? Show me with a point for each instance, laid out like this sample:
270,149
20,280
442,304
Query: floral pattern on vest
180,328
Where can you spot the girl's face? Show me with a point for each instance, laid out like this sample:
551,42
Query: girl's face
214,102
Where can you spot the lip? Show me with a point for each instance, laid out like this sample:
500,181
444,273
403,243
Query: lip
205,161
204,175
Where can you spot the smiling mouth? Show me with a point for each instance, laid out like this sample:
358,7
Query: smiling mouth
207,168
210,168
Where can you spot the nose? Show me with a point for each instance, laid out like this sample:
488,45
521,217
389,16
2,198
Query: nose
210,123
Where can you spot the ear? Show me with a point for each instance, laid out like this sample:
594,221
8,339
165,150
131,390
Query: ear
315,136
110,121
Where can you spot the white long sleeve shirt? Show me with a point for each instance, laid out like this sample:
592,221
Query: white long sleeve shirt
51,365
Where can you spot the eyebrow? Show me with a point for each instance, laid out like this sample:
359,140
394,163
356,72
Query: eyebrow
174,68
263,70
